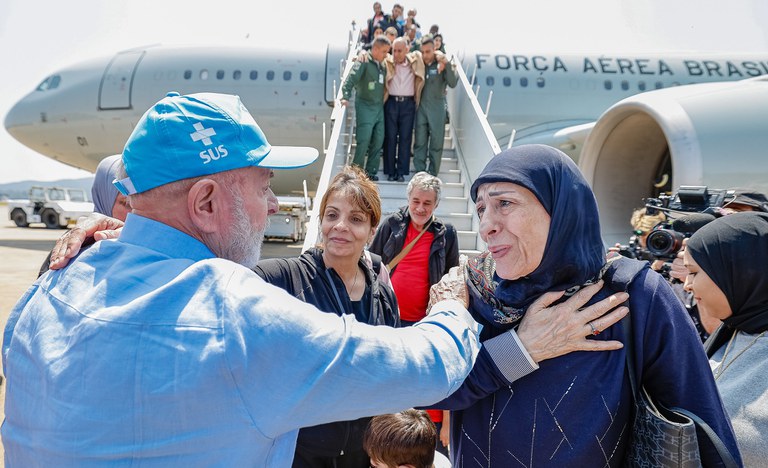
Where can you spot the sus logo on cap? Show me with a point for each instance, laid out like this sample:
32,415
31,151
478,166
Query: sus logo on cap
174,140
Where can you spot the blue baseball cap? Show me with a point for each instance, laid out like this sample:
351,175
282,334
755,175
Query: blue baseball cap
196,135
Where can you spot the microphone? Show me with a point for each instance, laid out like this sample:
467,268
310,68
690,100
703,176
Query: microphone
692,222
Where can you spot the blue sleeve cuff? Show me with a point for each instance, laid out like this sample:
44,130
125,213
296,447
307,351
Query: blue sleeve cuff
509,356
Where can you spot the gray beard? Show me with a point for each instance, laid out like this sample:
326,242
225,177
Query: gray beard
245,241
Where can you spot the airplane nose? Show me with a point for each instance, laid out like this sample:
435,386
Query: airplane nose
18,116
21,118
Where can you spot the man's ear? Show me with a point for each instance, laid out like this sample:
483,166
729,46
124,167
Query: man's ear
207,205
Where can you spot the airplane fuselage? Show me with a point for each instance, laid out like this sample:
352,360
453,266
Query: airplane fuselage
538,95
87,111
94,106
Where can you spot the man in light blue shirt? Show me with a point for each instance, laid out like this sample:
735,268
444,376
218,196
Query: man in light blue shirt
162,348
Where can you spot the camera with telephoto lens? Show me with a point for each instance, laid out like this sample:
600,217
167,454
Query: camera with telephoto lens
634,250
695,205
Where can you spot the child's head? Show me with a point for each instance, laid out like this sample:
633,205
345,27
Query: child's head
405,439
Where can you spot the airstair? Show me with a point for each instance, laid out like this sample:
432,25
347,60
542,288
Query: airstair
469,145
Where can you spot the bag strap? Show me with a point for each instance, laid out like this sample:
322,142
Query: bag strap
725,454
408,247
375,262
629,344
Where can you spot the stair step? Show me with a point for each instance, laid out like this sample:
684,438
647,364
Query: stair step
447,205
467,240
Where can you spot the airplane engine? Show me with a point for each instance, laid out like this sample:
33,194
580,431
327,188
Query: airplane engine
712,134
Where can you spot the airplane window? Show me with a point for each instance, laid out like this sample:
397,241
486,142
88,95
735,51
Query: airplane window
304,76
270,75
641,86
624,85
43,85
254,74
524,82
55,80
608,84
659,85
540,82
507,81
220,75
203,74
286,76
489,80
236,74
187,74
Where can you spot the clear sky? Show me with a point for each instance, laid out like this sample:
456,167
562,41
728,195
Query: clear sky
38,37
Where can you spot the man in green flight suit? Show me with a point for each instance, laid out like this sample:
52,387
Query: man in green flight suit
367,77
431,114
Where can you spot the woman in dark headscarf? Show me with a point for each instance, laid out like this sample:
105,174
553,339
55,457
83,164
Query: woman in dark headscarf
539,219
107,200
726,260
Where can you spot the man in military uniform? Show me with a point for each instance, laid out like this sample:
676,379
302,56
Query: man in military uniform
431,114
367,77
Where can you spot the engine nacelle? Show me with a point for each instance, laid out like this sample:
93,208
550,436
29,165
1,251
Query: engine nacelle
713,134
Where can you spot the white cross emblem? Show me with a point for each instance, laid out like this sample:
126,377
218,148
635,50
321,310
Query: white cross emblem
202,134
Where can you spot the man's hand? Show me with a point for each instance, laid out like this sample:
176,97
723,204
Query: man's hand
95,225
548,332
344,102
453,285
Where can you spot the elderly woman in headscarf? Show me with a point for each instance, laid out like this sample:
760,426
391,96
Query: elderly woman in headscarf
539,219
107,200
726,261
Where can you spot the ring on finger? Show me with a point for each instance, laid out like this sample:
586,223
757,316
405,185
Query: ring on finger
595,331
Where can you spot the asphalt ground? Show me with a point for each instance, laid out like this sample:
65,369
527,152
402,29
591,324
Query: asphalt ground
23,250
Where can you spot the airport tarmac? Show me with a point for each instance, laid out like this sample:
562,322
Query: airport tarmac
22,251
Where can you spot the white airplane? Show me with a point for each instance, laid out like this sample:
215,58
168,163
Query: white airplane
85,112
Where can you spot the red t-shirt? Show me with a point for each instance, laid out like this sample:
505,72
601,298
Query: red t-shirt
410,279
435,415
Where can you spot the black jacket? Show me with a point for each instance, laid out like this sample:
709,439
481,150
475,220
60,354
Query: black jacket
307,278
390,240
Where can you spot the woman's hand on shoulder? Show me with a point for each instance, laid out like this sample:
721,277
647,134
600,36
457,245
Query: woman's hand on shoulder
453,285
548,332
95,225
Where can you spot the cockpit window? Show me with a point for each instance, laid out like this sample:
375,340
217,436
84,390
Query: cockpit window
51,82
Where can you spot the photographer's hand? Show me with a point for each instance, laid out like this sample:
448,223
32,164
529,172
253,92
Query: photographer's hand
678,270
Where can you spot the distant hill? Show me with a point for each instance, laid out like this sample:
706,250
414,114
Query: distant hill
20,190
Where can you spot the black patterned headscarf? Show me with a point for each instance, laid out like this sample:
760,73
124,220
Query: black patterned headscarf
733,252
574,254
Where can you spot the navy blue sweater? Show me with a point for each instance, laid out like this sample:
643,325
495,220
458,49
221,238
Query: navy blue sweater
576,410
